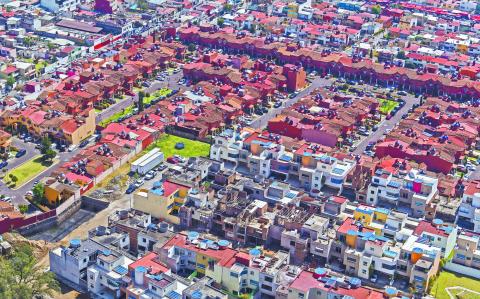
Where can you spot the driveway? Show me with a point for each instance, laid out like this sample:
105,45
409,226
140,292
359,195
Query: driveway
387,124
171,82
262,120
18,194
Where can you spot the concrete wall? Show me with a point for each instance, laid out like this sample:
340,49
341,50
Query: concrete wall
93,204
457,268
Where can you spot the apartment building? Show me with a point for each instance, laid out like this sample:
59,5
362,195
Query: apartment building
467,251
411,192
105,277
469,210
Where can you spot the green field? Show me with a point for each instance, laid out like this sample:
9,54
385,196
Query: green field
147,100
27,170
386,106
192,148
116,116
447,279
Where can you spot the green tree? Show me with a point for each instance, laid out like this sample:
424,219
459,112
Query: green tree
49,154
23,208
220,22
401,54
141,104
227,7
10,81
38,191
376,9
192,47
13,178
45,145
22,277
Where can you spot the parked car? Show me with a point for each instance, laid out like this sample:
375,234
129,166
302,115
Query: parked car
3,164
83,143
150,175
21,153
139,183
130,189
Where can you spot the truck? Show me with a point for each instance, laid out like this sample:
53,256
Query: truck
147,162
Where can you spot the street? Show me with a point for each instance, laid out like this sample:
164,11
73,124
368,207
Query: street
17,195
262,120
171,82
387,124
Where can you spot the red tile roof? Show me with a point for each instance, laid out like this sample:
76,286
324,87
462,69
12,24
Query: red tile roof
223,256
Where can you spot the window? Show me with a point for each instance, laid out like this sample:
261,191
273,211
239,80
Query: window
301,295
233,274
153,288
364,271
266,287
268,279
372,192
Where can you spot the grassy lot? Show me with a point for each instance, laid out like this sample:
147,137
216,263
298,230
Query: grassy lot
164,92
116,116
192,148
147,100
386,106
27,170
448,279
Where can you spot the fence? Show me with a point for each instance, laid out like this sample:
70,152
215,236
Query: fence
461,269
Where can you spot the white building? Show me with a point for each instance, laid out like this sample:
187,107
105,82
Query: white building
60,5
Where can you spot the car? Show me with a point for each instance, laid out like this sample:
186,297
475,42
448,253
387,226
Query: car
402,93
146,84
363,133
29,195
83,143
3,164
150,175
20,153
72,147
374,128
7,199
277,105
35,183
130,189
139,183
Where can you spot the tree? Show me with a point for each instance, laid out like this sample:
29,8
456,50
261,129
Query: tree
376,9
22,277
45,145
192,47
23,208
13,178
38,191
401,54
141,105
220,22
227,7
10,81
49,154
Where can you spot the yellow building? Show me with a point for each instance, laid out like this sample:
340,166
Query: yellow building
56,192
162,202
78,129
372,218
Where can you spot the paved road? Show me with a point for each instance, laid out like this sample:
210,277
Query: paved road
262,120
387,124
18,194
171,82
